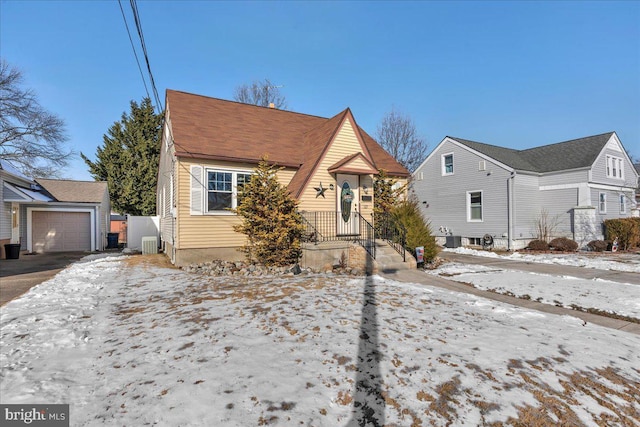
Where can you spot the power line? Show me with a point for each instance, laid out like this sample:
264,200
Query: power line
134,50
136,17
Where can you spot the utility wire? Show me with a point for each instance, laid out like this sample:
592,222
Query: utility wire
136,17
134,49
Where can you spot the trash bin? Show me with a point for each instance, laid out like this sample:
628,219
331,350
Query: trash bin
112,240
12,250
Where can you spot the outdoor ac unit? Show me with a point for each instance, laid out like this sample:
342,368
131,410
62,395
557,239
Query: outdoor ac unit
149,245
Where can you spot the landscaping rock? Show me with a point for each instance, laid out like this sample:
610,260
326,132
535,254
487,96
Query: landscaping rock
239,268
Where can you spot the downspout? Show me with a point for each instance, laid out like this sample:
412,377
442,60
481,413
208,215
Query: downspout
510,214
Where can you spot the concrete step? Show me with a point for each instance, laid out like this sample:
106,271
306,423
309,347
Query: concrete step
389,260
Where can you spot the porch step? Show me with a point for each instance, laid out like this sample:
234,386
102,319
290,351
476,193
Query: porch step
389,260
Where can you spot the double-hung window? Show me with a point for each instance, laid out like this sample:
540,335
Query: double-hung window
602,203
474,206
615,167
224,189
447,164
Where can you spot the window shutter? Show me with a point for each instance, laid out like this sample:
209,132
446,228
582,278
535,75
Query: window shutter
197,191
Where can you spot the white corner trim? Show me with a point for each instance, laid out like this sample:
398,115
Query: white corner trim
91,211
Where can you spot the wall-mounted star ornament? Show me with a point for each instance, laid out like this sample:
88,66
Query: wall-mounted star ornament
320,191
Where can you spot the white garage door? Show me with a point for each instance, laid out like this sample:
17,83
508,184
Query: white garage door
61,231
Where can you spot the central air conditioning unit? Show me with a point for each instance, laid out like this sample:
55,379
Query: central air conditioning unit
149,245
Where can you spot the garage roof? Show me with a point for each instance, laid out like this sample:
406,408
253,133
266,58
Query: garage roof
75,191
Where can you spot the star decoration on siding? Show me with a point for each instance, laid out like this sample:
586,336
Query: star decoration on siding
320,191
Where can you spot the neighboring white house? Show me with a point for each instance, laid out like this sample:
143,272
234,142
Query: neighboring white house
471,189
49,215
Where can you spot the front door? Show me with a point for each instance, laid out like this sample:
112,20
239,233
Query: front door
347,201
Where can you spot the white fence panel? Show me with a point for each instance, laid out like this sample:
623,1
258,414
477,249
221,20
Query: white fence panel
139,227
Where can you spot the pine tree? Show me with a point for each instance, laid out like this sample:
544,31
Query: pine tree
386,197
418,229
270,219
128,160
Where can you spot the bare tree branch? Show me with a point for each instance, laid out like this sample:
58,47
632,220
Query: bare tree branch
31,138
398,135
261,93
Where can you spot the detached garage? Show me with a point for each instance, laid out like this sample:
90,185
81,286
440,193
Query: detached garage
51,215
76,219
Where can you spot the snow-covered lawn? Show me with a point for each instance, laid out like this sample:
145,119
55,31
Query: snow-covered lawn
601,261
612,297
127,342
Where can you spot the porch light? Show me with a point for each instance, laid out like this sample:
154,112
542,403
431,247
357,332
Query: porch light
331,187
365,189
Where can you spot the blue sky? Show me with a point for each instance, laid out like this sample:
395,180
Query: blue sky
514,74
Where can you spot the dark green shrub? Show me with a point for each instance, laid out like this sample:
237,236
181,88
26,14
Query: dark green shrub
538,245
419,234
626,230
563,244
597,245
270,219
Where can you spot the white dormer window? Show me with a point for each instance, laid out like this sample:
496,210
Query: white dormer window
447,164
615,167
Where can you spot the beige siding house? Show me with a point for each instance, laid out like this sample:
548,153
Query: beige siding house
211,147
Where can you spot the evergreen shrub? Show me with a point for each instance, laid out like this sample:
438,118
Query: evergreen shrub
418,229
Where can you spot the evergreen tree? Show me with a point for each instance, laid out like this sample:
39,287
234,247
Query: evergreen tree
128,160
386,197
418,229
270,219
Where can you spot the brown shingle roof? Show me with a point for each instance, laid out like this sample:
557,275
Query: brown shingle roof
74,191
212,128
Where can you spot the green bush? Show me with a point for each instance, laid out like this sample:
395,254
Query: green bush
563,244
270,219
418,229
626,230
538,245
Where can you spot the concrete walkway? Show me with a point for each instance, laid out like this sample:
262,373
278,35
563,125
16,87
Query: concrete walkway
417,276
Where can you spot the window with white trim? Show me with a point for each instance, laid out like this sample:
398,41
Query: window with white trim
615,167
224,188
602,202
447,164
474,206
623,204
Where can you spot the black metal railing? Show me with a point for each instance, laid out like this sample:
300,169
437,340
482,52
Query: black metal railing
389,229
326,226
367,236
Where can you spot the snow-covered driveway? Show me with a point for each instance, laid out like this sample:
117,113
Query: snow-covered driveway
126,342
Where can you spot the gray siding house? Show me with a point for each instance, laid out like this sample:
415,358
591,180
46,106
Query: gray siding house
471,189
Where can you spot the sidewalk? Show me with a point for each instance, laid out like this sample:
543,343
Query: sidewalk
417,276
538,267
